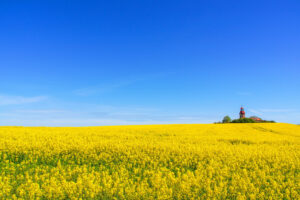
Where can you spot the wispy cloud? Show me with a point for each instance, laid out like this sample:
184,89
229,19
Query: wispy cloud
268,110
16,100
93,115
109,87
101,89
258,112
244,93
40,111
277,110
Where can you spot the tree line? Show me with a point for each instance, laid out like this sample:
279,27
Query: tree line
227,119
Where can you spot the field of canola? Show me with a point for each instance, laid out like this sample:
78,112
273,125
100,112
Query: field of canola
205,161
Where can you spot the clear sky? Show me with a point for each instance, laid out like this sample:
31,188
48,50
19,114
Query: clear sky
83,63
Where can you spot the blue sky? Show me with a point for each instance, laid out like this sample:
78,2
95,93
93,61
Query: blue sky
88,63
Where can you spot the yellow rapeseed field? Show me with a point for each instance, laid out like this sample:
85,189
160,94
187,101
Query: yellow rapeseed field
205,161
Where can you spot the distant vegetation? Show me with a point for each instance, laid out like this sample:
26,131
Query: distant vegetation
227,119
249,120
243,120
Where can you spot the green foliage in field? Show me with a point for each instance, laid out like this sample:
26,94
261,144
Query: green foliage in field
243,120
226,119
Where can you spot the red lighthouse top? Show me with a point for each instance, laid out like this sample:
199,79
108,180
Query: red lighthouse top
242,113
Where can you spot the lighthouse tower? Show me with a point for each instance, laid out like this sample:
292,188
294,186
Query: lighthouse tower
242,113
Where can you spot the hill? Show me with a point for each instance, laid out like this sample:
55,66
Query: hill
233,161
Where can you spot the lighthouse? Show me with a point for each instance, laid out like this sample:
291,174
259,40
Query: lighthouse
242,113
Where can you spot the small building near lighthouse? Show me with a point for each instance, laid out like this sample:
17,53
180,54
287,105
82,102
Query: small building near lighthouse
255,118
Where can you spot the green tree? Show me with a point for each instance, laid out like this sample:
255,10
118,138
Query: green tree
226,119
243,120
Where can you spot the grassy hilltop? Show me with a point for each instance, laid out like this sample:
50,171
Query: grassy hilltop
200,161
